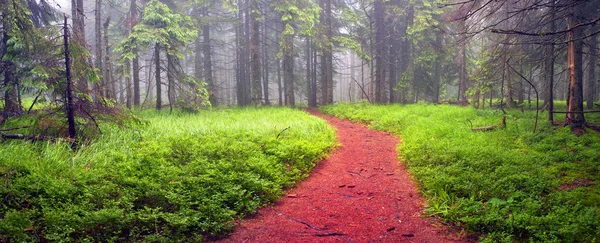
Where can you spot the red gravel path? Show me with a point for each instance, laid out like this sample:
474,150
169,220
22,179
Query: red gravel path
360,193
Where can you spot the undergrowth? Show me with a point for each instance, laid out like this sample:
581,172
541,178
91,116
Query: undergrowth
508,184
171,177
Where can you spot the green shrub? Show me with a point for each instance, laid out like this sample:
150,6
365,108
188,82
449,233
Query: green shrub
175,177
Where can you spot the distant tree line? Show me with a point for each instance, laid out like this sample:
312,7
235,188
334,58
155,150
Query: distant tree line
196,53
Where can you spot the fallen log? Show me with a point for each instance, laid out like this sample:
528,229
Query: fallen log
492,127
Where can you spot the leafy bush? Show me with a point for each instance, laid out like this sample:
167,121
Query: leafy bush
178,177
510,184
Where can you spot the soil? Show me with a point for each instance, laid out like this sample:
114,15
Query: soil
361,193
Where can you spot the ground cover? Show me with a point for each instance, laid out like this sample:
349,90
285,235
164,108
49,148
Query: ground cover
508,184
360,193
169,177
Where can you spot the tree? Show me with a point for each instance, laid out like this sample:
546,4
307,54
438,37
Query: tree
163,29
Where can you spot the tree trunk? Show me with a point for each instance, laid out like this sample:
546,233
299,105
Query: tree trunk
288,67
101,89
255,54
437,67
207,53
108,75
309,90
157,76
591,81
69,94
265,64
135,61
379,49
549,68
575,57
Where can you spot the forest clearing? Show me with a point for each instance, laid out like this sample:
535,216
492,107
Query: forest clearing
200,120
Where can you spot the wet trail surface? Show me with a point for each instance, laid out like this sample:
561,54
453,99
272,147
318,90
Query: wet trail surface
361,193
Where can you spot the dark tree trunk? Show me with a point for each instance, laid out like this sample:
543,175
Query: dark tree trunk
157,76
255,54
170,82
549,69
590,89
288,67
69,94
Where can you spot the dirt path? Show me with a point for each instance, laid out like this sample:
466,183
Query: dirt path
359,194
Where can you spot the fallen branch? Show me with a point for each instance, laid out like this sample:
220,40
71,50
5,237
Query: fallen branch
279,134
14,128
490,128
35,137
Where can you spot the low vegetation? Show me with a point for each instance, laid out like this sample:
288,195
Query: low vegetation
508,184
166,177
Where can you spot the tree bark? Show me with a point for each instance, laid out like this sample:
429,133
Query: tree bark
575,57
207,54
108,74
69,93
549,68
265,64
379,49
100,89
288,67
590,94
157,76
135,61
255,54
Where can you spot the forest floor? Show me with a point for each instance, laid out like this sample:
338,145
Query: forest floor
361,193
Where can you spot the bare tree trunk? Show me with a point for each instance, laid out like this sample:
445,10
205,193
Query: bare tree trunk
309,89
135,61
549,68
255,54
288,67
69,94
379,49
437,68
207,54
111,91
265,64
575,117
591,81
157,76
101,88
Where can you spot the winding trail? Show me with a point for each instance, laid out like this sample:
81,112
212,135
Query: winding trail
360,193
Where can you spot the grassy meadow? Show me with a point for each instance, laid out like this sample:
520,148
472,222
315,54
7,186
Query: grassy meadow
504,185
167,177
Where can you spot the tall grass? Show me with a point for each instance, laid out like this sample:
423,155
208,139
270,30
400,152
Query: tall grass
507,184
173,177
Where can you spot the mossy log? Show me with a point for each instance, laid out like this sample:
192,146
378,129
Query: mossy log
502,124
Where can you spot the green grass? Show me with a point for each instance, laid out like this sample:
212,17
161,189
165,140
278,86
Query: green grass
178,177
508,184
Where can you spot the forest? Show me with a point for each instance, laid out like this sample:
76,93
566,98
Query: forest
176,120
